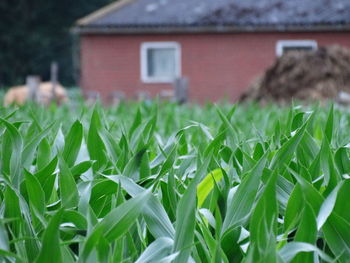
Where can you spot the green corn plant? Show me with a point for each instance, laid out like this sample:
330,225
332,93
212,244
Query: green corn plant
158,182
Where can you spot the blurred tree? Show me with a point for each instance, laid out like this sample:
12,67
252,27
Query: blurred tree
35,32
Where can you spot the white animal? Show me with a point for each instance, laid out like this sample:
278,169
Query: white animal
20,94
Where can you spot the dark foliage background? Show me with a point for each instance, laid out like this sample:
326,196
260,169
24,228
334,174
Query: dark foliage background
33,33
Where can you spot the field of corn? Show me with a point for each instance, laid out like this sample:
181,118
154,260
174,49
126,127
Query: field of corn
153,182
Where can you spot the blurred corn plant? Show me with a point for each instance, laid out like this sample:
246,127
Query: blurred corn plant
153,182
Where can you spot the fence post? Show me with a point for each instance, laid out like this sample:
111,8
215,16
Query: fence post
54,77
181,90
32,83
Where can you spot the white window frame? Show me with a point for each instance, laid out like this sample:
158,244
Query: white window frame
144,72
281,44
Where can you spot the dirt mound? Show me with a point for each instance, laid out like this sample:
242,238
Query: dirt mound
316,75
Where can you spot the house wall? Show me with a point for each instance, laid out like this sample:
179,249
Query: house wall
217,65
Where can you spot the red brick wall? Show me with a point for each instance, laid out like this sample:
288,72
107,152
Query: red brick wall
217,65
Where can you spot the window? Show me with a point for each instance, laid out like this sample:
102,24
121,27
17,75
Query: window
289,45
160,62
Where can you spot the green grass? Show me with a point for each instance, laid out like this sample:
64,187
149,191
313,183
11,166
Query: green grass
153,182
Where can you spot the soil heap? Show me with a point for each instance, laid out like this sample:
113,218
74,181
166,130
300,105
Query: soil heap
317,75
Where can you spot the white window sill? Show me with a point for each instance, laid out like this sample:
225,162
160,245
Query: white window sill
155,81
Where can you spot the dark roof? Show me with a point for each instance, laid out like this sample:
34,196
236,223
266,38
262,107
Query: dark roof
143,15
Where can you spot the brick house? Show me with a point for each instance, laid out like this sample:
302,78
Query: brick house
221,46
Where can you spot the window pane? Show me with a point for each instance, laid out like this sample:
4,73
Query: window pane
297,48
161,63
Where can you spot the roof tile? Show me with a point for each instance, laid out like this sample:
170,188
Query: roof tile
157,13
